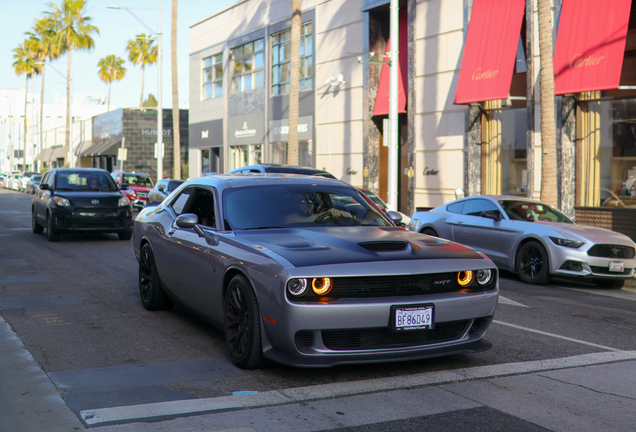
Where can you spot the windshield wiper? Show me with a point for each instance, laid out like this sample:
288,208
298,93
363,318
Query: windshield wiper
263,227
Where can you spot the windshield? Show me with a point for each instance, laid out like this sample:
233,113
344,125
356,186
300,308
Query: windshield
532,211
138,180
85,181
287,206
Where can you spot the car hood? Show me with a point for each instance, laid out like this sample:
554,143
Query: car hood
336,245
588,233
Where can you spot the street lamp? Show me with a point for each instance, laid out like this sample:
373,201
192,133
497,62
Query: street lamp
71,150
159,148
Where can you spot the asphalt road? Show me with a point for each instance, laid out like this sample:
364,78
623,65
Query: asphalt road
77,351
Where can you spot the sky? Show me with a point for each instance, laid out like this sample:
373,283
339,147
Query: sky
116,27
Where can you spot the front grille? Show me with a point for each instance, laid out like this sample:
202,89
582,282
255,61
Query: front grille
383,246
339,340
605,270
612,251
385,286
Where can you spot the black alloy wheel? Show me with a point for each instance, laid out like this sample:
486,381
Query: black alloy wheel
37,228
152,295
430,232
532,264
51,234
242,324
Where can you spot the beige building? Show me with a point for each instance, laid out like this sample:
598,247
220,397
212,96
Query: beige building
492,144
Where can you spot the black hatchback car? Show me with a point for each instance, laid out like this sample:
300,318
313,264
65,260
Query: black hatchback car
80,200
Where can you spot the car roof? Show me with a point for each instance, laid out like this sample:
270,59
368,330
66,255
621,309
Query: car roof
285,168
254,179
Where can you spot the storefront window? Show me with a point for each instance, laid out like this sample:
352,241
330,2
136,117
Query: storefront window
247,67
205,161
279,152
244,155
281,56
504,165
606,152
213,76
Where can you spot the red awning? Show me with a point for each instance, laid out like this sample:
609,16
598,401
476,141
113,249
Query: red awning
382,99
489,52
590,45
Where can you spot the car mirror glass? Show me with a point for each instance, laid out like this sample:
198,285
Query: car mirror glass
45,186
491,214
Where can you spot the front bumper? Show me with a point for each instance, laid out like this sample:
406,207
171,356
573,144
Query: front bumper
358,330
574,262
94,220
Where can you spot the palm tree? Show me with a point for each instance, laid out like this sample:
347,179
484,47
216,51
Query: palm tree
175,96
294,65
141,51
49,48
26,63
111,68
548,122
73,31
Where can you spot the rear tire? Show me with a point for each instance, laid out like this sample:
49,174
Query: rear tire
51,234
37,228
430,231
152,296
532,264
243,325
610,283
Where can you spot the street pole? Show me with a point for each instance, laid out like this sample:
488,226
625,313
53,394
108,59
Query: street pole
392,183
159,110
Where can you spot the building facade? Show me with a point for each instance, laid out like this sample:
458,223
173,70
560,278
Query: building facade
469,105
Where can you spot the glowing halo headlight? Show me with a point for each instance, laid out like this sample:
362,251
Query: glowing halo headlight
464,278
483,276
297,287
321,286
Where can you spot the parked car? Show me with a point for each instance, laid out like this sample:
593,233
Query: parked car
23,179
533,239
80,200
33,183
282,169
291,278
2,176
12,181
161,190
382,205
139,184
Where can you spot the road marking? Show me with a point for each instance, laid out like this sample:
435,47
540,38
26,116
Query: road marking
295,395
507,301
559,336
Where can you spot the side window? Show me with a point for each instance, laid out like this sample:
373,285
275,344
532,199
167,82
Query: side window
455,207
476,206
203,206
179,203
45,179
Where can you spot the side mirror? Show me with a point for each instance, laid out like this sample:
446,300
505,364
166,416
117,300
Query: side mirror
124,186
491,214
45,186
188,221
395,217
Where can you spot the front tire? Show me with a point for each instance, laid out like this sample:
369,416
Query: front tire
51,234
127,235
37,228
242,324
152,296
532,264
610,283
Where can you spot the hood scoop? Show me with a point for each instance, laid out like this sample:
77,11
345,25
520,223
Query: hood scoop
384,246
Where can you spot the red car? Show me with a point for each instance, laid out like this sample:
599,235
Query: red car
139,184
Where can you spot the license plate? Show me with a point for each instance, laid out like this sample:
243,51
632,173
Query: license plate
412,317
616,266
